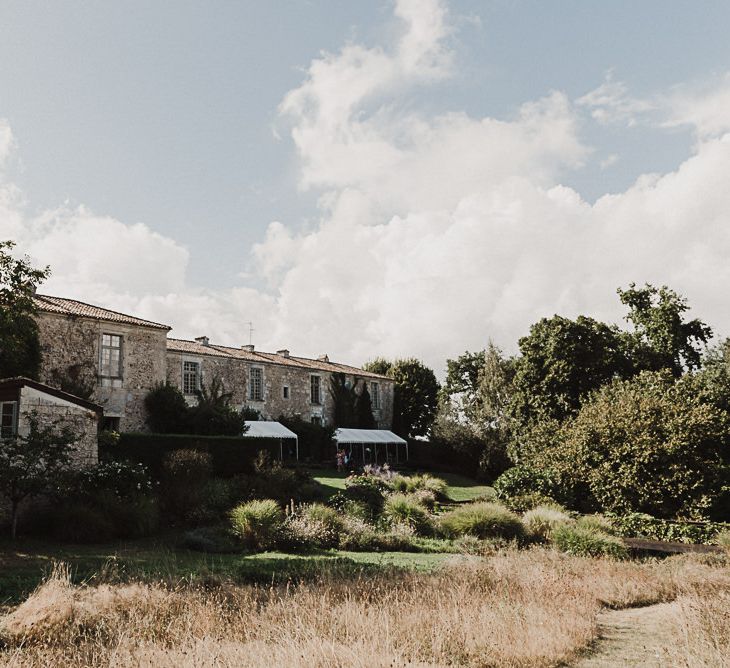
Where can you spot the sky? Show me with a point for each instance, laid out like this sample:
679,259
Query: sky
394,178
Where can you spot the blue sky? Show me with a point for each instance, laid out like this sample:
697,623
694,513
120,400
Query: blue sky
160,133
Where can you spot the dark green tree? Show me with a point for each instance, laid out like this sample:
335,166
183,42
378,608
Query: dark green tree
343,400
20,352
415,400
33,463
167,410
562,361
213,415
662,338
364,409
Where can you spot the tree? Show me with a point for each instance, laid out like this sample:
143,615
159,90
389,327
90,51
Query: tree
649,444
562,361
33,463
20,352
662,338
364,409
415,400
461,387
167,410
343,401
213,415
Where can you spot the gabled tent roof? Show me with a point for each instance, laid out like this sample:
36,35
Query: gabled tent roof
367,436
266,429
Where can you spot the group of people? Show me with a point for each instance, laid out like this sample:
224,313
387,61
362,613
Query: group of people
343,459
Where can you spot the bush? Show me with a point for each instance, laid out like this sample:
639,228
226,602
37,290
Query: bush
367,490
646,526
358,535
184,474
78,523
313,525
540,522
167,410
214,540
407,509
597,523
521,481
723,539
135,517
257,523
525,502
483,520
123,479
588,542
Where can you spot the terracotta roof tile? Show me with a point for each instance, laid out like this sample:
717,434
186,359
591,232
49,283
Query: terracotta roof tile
197,348
48,304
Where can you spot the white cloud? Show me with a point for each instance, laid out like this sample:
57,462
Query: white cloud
436,233
705,108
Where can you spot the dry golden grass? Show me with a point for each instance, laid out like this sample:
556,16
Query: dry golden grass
514,608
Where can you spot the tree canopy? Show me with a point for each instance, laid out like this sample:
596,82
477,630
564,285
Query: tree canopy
20,353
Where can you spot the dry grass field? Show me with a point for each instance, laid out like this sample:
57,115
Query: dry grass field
535,607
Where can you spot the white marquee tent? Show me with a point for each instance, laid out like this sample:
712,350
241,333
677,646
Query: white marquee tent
273,430
373,445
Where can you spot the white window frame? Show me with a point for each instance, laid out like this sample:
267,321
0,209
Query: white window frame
318,385
256,396
198,376
375,395
120,348
14,426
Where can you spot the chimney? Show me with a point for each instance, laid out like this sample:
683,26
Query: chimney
248,348
203,340
323,358
283,352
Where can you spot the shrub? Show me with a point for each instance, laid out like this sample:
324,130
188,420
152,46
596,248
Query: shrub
723,539
358,535
184,474
540,522
522,480
575,539
646,526
425,497
215,540
409,510
525,502
483,520
313,525
596,522
257,523
167,410
368,490
78,523
135,517
123,479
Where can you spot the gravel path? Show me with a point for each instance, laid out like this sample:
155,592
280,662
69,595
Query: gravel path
633,637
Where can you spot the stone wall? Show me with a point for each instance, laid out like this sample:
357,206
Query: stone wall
235,374
52,411
71,345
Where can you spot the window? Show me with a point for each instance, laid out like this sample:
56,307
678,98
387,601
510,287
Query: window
375,395
8,411
317,419
286,391
256,384
316,394
110,424
111,356
191,377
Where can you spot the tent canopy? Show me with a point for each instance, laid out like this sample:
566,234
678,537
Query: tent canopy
266,429
366,436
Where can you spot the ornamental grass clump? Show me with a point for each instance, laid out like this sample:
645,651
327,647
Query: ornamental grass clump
483,520
540,522
587,542
257,523
314,525
407,509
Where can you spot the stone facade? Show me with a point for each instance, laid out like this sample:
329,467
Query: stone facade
76,339
22,398
71,347
286,381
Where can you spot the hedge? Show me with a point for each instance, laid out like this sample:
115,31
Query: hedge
231,454
639,525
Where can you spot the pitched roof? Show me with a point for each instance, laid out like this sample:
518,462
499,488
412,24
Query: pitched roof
21,381
197,348
48,304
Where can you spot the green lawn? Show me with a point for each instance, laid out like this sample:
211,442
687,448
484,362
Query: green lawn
24,564
460,487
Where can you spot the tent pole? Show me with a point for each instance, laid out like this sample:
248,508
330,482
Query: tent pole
406,450
297,442
281,449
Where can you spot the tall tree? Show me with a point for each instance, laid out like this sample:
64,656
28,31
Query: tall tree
562,361
343,401
364,409
20,352
416,393
662,338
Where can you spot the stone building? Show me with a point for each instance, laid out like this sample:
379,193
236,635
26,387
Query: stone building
114,360
21,397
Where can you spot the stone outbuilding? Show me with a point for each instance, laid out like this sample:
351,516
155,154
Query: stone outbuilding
23,397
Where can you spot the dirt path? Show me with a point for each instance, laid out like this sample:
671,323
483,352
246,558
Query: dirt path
634,637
